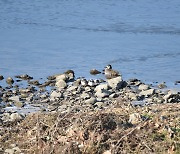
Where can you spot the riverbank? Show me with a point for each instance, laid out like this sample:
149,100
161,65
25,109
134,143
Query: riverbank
74,115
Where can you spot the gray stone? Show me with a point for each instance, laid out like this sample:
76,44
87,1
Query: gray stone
114,95
55,95
9,151
91,100
72,88
162,85
147,92
102,93
99,104
143,87
19,104
61,84
14,98
15,117
115,83
101,87
138,103
172,97
132,96
60,77
85,95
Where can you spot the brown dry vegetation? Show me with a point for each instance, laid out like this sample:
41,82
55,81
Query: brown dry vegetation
107,131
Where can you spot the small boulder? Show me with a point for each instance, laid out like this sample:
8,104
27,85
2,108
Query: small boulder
55,95
15,117
91,100
143,87
115,83
147,92
101,87
61,84
102,93
1,77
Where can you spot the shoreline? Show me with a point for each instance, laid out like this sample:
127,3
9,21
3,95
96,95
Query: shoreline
62,100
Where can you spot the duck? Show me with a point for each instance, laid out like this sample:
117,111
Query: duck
110,73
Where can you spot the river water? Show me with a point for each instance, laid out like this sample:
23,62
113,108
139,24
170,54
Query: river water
139,38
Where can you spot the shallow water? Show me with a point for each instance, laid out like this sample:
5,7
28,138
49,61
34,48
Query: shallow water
139,38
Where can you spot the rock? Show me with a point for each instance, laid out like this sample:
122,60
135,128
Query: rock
114,95
55,95
85,95
162,85
115,83
35,82
19,104
61,77
61,84
24,77
172,97
138,103
72,88
84,82
16,149
143,87
135,118
77,82
132,96
15,117
1,77
91,101
147,92
94,72
9,80
14,98
102,93
99,104
101,87
9,151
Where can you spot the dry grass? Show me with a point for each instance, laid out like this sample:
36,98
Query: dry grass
97,132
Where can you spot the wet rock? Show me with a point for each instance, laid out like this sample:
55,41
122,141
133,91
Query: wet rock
94,72
177,82
162,85
115,83
1,77
91,100
61,84
35,82
24,77
102,87
9,81
134,82
147,92
135,118
143,87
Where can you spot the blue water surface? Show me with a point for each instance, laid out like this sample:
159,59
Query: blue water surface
140,38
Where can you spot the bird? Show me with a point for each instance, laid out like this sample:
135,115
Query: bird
94,72
110,73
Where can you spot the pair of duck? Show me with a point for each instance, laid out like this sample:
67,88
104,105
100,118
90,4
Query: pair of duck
108,72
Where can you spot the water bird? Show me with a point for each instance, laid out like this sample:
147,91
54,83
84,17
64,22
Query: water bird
110,73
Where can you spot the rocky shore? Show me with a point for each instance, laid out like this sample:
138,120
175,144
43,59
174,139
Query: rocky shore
65,114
